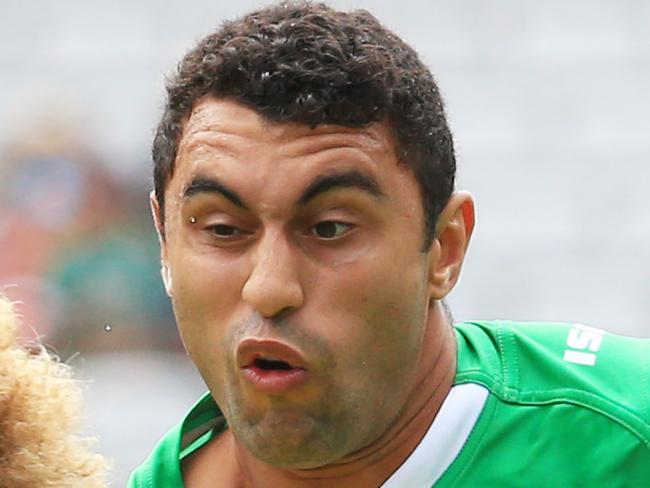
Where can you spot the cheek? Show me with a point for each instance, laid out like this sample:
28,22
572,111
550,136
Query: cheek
205,286
375,327
395,325
205,299
378,318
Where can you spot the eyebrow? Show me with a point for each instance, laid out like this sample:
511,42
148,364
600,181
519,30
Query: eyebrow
320,185
347,179
212,185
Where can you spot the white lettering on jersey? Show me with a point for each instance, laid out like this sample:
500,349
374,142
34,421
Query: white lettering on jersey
581,339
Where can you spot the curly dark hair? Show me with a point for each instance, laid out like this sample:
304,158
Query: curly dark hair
307,63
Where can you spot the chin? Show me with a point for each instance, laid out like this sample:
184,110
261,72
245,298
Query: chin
295,442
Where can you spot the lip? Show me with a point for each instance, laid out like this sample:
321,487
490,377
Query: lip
271,381
251,348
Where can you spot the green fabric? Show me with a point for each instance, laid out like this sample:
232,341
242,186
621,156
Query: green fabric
547,422
162,468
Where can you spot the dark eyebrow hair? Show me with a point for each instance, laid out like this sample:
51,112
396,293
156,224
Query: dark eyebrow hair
202,184
347,179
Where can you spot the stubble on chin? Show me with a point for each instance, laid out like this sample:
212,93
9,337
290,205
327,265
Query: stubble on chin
302,431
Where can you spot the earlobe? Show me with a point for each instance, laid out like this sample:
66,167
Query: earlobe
453,232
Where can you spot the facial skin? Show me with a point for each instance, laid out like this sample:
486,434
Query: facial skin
313,238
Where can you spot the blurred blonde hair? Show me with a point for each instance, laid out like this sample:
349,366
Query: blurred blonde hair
40,412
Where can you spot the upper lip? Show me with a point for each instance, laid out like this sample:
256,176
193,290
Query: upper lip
251,349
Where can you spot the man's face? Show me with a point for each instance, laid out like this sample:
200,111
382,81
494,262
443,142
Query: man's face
297,279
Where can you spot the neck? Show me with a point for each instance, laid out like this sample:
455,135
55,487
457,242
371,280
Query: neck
372,465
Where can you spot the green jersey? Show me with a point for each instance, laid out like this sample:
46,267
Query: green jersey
565,405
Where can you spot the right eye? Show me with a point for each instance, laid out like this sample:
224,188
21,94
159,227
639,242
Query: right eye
224,231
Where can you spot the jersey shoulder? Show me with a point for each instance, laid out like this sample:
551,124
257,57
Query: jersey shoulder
162,467
549,363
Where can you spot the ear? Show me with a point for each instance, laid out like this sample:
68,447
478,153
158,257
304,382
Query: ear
453,232
165,272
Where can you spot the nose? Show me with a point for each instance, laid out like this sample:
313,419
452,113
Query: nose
273,285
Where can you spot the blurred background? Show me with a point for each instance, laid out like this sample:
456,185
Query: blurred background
549,103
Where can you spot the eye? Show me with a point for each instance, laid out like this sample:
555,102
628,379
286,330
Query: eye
331,229
225,231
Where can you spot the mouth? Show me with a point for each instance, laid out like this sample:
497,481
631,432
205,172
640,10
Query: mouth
270,366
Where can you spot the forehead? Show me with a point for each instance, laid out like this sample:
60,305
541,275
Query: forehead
270,161
226,124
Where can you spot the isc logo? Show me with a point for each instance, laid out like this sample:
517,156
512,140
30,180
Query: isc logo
581,339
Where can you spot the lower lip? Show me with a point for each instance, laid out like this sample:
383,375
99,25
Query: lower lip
275,381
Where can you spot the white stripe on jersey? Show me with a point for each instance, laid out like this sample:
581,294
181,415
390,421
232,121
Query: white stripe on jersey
444,439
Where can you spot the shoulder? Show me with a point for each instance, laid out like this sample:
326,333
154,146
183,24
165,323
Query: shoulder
158,467
568,406
163,466
552,363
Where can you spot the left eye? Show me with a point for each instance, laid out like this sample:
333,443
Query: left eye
330,229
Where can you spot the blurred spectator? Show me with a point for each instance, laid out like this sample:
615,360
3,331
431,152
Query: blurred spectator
111,294
78,253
